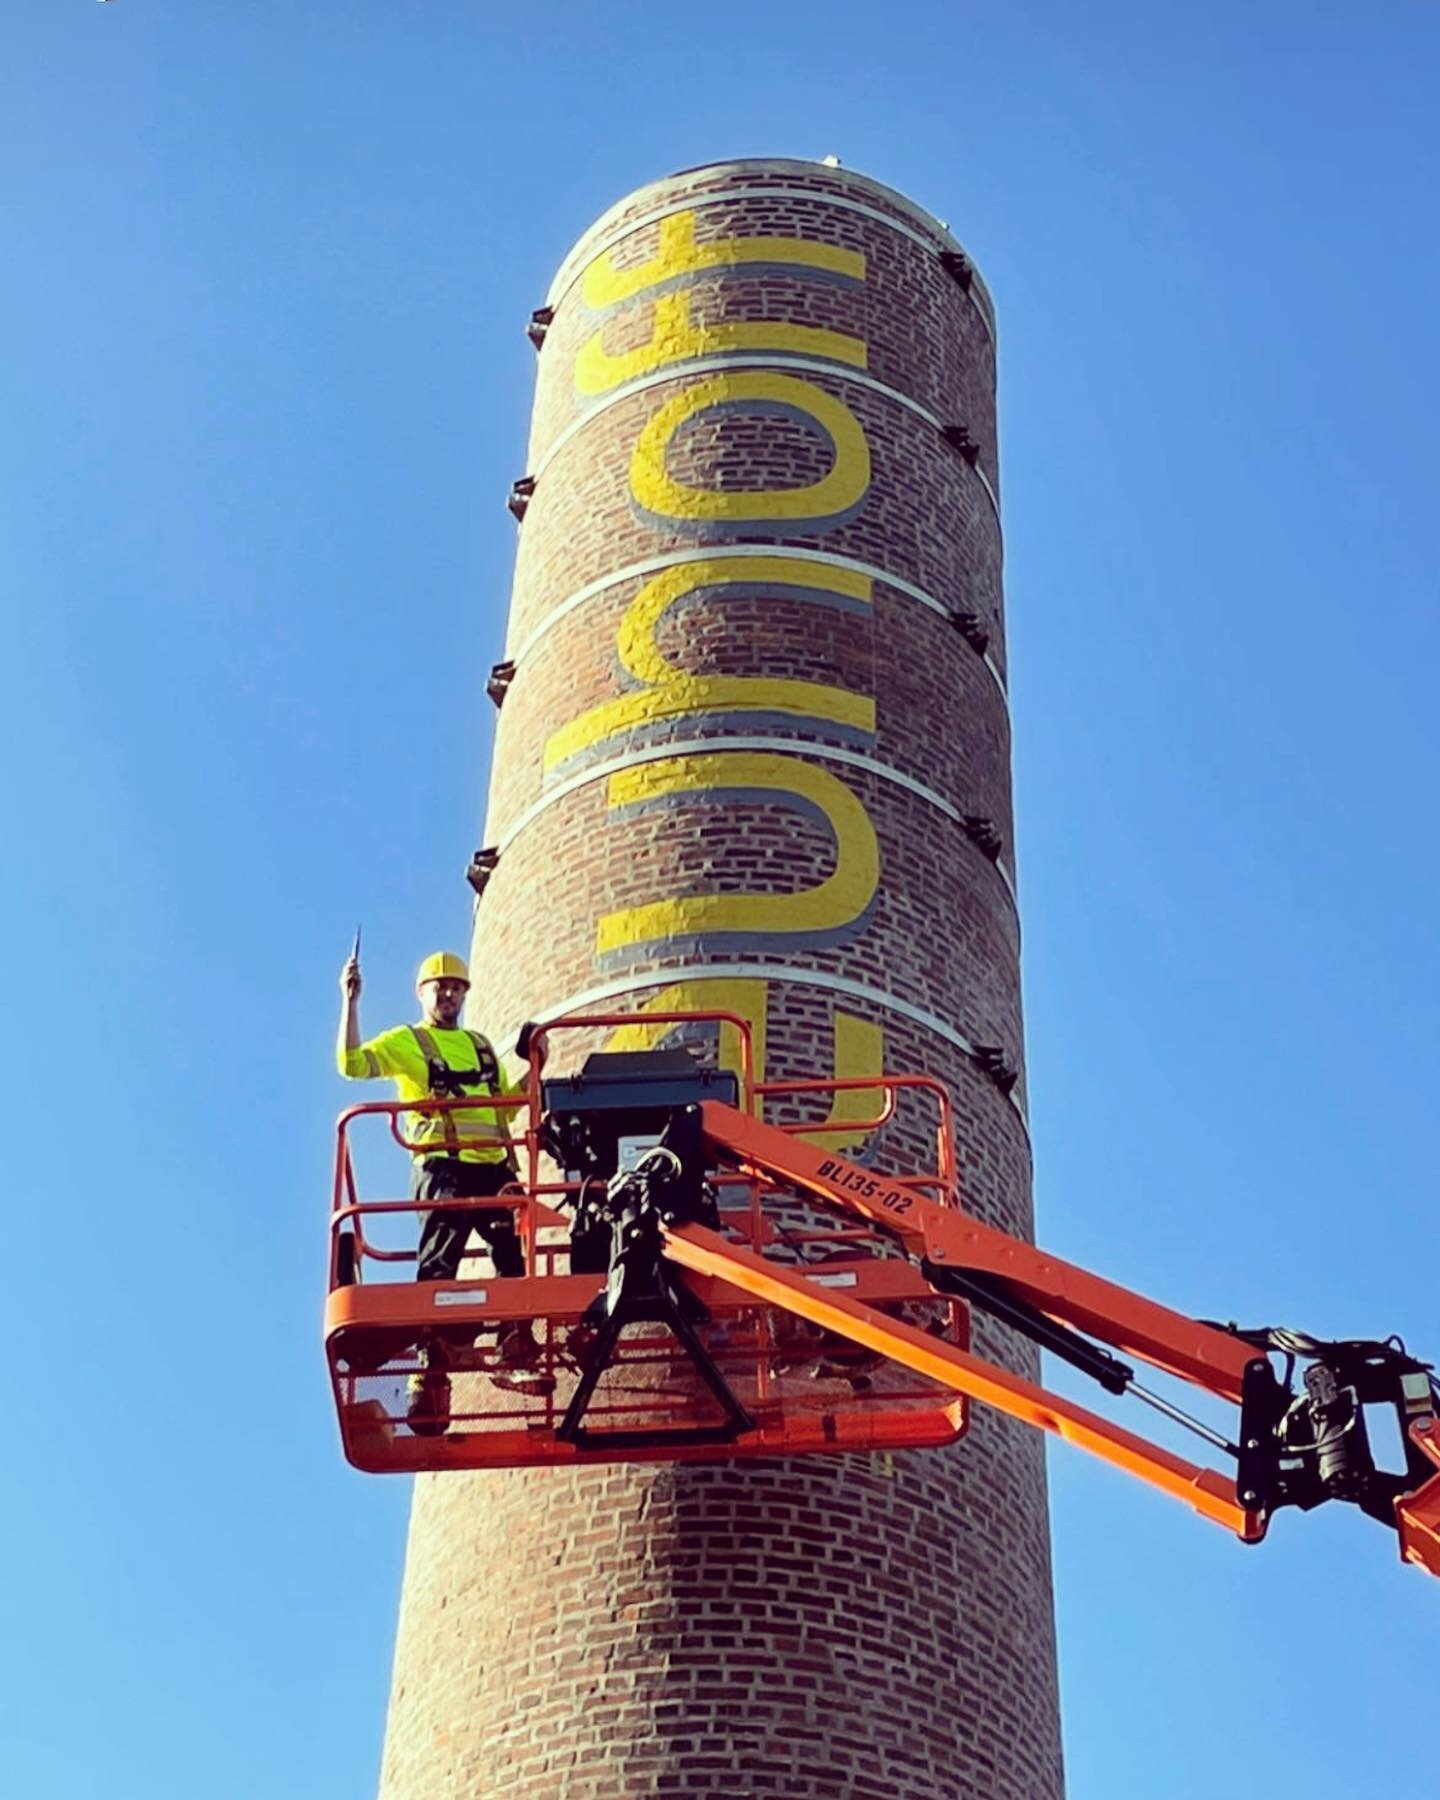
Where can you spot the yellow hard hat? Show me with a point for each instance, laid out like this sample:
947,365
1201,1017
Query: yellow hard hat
444,965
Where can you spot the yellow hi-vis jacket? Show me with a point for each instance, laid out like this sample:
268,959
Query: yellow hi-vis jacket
428,1063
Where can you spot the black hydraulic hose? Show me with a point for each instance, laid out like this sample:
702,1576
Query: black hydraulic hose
989,1293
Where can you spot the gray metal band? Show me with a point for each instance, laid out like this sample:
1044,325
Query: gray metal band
744,971
748,359
655,565
854,759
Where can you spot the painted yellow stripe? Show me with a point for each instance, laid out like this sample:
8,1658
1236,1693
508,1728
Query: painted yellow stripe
675,339
678,253
693,694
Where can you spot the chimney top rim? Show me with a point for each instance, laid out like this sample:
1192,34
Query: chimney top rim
826,178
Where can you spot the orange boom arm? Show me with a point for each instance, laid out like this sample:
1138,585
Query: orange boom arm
1287,1450
675,1310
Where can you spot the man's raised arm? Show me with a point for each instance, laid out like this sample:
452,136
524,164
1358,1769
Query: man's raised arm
348,1037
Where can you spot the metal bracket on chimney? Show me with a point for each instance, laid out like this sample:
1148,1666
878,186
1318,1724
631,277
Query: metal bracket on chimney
981,832
972,628
990,1060
520,492
482,866
958,438
501,675
958,268
541,320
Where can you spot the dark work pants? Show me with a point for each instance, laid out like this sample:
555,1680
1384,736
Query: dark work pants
443,1234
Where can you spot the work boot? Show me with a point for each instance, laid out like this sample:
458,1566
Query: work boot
516,1353
826,1370
515,1346
523,1381
427,1408
843,1361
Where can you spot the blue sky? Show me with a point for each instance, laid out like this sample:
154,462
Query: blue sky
266,383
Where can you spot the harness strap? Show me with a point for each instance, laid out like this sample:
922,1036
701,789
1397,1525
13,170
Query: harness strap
485,1059
449,1083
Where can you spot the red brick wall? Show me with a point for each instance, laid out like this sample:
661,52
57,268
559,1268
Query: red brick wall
772,809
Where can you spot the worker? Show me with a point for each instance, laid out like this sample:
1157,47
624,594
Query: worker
463,1154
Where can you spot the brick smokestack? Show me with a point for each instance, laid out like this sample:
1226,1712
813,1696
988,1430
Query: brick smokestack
755,755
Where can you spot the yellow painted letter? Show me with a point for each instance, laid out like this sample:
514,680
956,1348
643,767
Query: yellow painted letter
671,692
820,911
828,500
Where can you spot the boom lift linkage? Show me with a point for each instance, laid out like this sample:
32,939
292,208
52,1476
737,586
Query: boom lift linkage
654,1231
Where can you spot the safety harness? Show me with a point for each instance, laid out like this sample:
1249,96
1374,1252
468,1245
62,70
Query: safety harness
447,1083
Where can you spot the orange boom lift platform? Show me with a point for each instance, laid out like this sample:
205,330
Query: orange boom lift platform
703,1284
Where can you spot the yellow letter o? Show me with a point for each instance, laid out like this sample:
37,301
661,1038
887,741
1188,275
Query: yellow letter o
821,503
